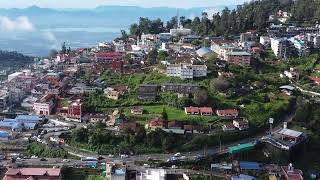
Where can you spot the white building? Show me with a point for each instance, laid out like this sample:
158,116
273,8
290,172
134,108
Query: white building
180,32
186,71
264,40
14,75
314,39
279,47
152,174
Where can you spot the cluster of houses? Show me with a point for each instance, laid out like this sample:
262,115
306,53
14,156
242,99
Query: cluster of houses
287,41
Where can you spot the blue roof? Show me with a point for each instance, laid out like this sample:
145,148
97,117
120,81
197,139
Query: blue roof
120,171
203,51
249,165
242,177
28,117
4,134
8,124
29,125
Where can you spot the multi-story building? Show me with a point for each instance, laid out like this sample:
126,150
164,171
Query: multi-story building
4,99
280,47
265,40
300,45
239,58
186,71
248,36
314,39
75,110
45,105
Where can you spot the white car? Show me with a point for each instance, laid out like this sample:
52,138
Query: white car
177,154
34,157
124,156
174,167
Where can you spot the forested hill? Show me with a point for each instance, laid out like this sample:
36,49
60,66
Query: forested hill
13,60
252,15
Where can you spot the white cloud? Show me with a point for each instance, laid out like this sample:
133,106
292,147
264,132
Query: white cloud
20,24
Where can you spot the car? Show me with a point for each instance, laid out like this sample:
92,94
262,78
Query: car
183,157
43,159
174,167
124,156
34,157
177,154
146,165
66,160
111,156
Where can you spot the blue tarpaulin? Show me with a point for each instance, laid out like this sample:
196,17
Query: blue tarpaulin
249,165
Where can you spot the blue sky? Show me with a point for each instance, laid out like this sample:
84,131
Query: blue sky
94,3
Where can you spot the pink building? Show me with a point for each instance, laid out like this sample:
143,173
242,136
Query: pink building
239,58
33,173
45,105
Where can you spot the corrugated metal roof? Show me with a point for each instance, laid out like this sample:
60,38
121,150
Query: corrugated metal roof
240,148
249,165
290,132
29,117
4,134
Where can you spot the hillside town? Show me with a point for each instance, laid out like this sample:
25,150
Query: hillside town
171,105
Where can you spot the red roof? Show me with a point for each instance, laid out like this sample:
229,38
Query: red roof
296,174
108,54
33,172
192,109
224,112
156,122
315,79
207,110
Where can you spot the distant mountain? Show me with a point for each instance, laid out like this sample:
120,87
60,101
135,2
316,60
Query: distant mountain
111,16
11,60
78,27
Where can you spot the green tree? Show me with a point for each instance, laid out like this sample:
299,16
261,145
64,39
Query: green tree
219,84
162,55
164,114
152,56
200,97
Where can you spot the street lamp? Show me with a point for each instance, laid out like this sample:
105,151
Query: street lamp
271,122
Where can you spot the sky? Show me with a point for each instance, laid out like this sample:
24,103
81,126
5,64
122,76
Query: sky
95,3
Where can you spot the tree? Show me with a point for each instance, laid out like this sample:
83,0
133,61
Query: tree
135,30
80,135
206,43
200,97
63,48
164,114
196,42
124,35
152,56
162,55
53,53
219,84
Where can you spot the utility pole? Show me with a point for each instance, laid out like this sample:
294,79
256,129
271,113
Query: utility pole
271,122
